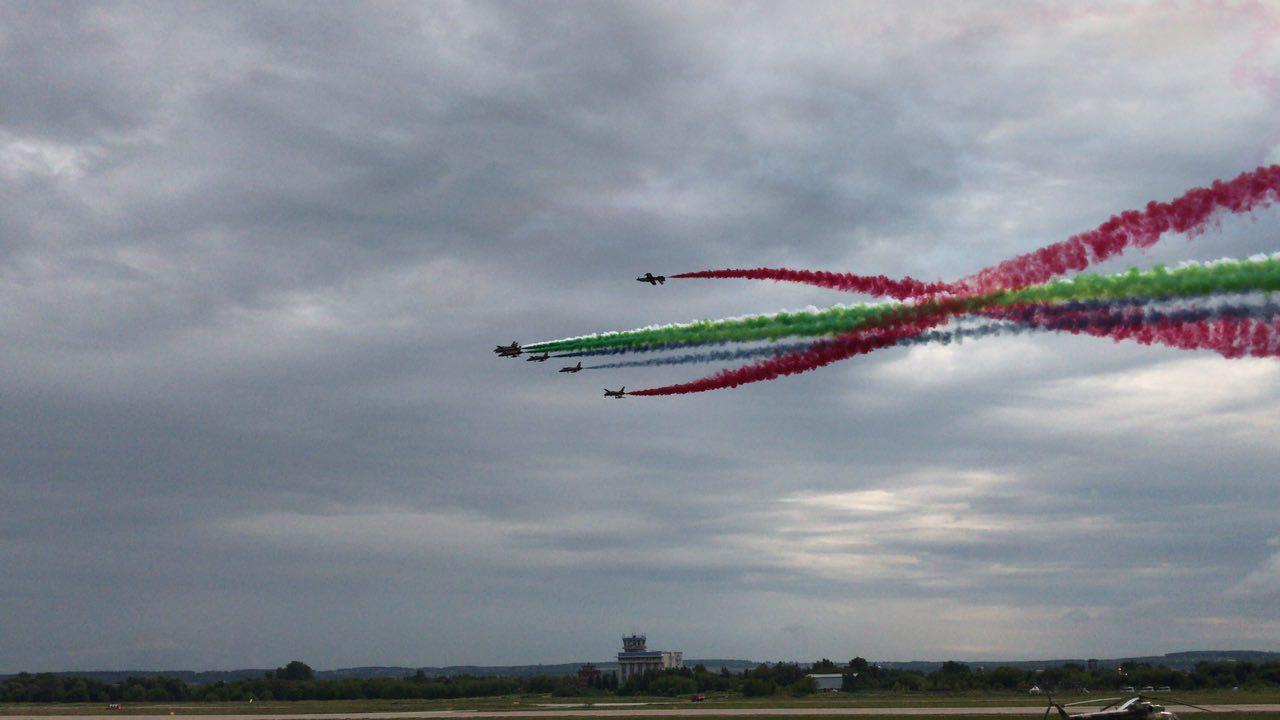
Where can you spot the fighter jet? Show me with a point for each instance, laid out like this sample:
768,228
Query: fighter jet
538,358
619,393
652,279
572,368
511,350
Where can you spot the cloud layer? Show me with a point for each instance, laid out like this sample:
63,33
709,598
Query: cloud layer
252,259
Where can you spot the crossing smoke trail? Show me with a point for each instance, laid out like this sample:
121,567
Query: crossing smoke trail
820,354
1232,331
940,337
1231,337
1191,280
1094,317
1189,213
1019,288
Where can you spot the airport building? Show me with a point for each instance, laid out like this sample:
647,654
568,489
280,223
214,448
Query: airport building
827,682
636,660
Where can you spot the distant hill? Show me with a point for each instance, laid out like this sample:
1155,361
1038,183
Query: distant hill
1178,661
192,677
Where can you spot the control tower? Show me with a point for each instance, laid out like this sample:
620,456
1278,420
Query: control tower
636,660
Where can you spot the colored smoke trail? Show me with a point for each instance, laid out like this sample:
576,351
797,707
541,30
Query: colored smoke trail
820,354
1128,311
1232,331
941,337
1193,280
709,356
1019,294
1133,228
1229,337
1189,213
878,285
958,335
761,327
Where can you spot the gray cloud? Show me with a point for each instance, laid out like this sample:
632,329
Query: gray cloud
252,258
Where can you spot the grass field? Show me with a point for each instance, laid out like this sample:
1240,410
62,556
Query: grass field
550,705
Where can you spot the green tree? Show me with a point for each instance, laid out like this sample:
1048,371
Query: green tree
824,666
672,686
295,670
804,686
758,688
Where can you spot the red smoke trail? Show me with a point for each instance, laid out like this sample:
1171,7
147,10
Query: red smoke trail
907,321
1229,336
1140,228
1132,228
879,285
821,353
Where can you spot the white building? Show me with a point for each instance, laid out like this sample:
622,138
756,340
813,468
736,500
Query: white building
636,660
827,682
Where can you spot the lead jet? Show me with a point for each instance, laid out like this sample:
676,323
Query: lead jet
619,393
511,350
572,368
538,358
652,279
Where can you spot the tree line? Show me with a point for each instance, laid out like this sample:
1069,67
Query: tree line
959,677
297,681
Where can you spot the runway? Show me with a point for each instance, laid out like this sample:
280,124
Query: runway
706,712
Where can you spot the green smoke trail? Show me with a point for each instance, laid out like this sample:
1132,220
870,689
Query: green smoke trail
1225,276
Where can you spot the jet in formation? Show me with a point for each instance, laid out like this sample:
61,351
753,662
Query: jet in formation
652,279
512,350
538,358
572,368
619,393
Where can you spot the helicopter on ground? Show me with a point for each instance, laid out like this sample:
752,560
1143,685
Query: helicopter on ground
1139,707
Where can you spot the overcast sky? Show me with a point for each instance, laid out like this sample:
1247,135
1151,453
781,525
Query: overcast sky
253,259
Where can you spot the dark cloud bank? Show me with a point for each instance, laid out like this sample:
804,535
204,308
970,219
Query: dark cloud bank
252,258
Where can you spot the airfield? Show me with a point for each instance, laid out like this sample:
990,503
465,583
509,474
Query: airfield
1239,712
958,708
